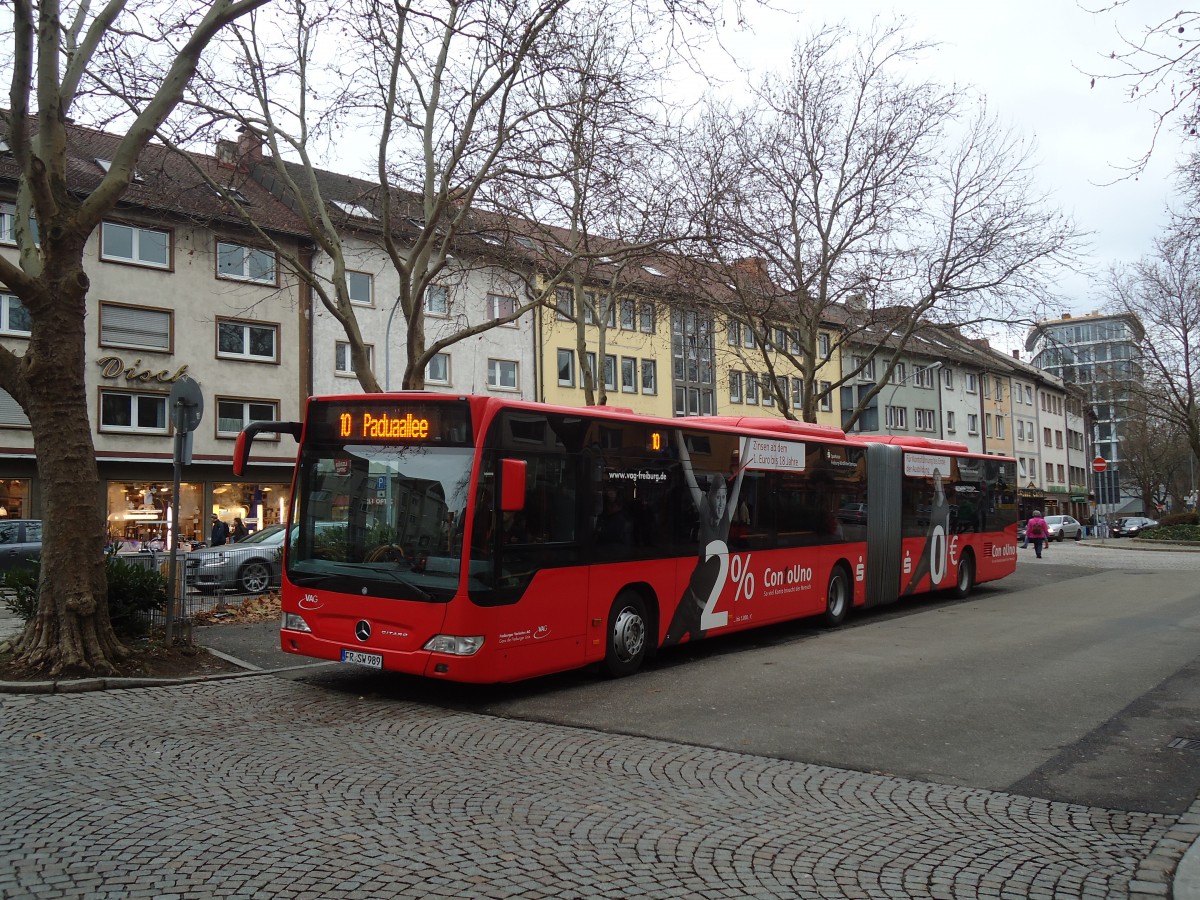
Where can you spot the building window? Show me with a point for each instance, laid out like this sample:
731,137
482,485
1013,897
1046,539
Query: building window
566,368
896,416
926,420
748,339
950,421
735,387
135,327
437,300
823,345
733,332
502,374
564,304
628,375
972,423
948,377
972,381
1046,436
437,370
500,307
140,246
987,424
133,413
899,373
826,396
235,415
999,388
646,317
1049,472
923,376
343,363
14,317
590,356
999,427
649,376
628,315
868,367
1058,439
8,224
11,414
242,340
797,393
1029,394
589,308
610,372
240,263
751,387
361,288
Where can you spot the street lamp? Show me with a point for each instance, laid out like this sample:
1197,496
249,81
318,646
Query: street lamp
892,396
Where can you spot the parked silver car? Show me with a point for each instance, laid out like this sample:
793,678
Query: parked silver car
250,566
1063,527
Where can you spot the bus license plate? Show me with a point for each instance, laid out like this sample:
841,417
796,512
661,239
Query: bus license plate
371,660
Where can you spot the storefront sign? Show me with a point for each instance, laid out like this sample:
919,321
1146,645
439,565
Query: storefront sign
114,367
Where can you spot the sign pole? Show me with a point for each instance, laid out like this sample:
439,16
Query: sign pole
186,405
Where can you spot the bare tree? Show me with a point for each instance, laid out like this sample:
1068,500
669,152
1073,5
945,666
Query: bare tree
453,98
55,64
1163,291
1157,64
871,202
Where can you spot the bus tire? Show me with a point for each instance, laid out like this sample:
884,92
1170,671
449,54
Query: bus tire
965,582
628,635
838,596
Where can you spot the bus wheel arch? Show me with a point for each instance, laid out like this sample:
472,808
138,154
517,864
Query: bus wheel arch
964,582
631,631
839,594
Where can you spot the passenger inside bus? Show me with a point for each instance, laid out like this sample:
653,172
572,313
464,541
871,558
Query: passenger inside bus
614,525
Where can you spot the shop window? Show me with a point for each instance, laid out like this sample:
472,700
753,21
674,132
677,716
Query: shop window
257,505
14,498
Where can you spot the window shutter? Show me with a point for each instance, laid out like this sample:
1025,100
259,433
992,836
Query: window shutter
126,327
10,412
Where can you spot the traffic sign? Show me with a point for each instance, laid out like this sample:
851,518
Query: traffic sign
1099,464
186,404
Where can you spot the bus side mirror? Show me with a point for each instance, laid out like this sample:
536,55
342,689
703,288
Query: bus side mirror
512,485
241,447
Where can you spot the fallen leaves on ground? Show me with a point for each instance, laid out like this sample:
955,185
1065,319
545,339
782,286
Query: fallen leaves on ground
265,608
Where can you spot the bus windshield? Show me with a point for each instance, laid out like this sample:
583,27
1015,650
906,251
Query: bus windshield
380,519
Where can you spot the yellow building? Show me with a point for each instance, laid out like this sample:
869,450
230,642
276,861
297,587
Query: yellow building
627,350
752,376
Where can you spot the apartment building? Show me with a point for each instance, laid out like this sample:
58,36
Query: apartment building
178,287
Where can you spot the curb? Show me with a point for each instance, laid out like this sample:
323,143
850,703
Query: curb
1172,869
85,685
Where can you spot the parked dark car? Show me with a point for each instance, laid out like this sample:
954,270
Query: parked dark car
250,566
20,543
1132,526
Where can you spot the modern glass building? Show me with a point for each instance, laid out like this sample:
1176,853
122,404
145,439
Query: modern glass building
1102,354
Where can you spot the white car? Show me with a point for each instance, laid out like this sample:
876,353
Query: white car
1063,527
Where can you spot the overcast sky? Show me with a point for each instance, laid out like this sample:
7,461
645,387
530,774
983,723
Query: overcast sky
1022,55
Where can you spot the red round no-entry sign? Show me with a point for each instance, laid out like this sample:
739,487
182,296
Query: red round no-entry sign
1099,464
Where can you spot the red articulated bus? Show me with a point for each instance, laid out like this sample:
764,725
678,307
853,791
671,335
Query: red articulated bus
476,539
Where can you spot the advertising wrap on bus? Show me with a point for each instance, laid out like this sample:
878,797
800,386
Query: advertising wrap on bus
478,540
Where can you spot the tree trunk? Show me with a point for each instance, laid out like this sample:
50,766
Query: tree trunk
71,633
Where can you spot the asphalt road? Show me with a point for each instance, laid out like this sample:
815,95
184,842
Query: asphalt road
1068,681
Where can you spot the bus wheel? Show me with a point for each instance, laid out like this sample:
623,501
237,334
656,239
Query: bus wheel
627,633
837,596
966,577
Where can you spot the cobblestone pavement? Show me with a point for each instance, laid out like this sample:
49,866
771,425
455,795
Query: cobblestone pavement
261,787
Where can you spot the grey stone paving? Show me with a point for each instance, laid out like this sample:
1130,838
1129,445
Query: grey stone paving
260,787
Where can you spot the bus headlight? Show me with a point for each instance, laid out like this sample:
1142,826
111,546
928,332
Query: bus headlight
454,644
293,622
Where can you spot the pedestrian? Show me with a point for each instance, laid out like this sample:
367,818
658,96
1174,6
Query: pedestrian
1036,531
239,530
220,532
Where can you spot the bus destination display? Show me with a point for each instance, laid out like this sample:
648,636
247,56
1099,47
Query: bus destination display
349,422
